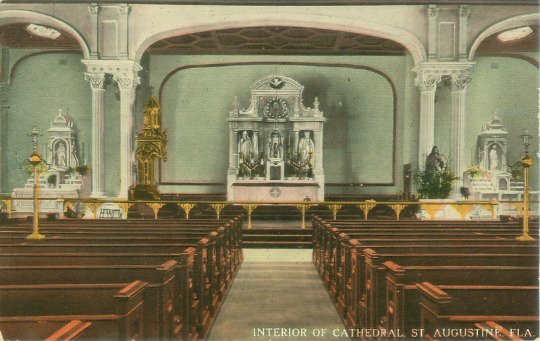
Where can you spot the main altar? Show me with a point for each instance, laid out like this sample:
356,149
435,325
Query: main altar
275,145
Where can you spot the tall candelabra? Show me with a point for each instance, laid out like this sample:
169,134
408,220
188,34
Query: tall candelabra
527,161
35,161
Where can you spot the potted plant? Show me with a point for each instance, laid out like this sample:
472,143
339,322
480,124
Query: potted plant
434,185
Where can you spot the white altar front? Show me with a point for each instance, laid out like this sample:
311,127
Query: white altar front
275,146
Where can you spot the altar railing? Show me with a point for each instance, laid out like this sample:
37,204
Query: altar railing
427,209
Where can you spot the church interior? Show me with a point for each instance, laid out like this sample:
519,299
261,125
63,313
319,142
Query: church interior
269,169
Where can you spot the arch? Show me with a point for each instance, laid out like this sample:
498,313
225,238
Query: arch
19,61
21,16
506,24
375,70
401,36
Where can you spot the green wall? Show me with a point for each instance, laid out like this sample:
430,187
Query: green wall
42,84
510,87
358,103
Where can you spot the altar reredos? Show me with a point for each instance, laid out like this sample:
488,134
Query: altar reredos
275,145
277,98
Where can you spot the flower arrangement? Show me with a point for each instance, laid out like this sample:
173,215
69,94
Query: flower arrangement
434,185
476,172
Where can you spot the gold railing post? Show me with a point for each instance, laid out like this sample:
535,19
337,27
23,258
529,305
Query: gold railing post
155,208
398,208
249,209
35,160
303,209
335,209
187,208
368,206
218,208
527,162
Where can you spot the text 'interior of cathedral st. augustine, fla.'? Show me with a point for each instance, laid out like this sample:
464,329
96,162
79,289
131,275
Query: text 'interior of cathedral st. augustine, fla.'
269,169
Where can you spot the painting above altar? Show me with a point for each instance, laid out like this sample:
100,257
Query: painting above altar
275,145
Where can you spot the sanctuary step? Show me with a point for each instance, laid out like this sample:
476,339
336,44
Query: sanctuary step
275,237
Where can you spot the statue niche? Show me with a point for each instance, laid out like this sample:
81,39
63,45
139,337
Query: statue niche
275,145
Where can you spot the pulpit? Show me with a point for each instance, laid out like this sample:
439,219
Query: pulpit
275,145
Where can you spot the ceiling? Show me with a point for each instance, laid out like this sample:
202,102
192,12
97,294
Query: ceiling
277,40
492,46
266,40
17,36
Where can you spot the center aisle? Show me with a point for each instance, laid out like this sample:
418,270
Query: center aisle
276,288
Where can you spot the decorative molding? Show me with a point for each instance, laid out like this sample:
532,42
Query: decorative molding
460,80
433,11
427,81
430,73
124,9
464,10
127,81
113,67
93,9
95,79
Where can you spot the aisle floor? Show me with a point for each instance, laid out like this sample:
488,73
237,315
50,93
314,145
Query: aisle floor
277,288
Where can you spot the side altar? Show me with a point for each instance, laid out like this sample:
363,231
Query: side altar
62,174
276,145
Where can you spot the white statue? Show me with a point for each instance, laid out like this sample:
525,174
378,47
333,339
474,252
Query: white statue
61,160
274,145
306,147
493,158
246,148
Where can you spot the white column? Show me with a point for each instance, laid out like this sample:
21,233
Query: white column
318,140
127,83
232,142
295,142
318,160
426,133
256,144
98,119
459,86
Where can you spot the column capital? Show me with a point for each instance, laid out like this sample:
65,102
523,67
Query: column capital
127,81
95,79
460,80
430,73
93,9
433,11
464,10
124,8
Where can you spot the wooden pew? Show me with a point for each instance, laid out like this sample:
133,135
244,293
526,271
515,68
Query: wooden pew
373,298
166,297
115,310
214,263
462,306
402,298
51,330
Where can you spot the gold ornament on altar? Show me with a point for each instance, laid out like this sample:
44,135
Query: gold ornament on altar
151,146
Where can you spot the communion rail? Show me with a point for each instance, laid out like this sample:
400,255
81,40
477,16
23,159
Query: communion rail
427,209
